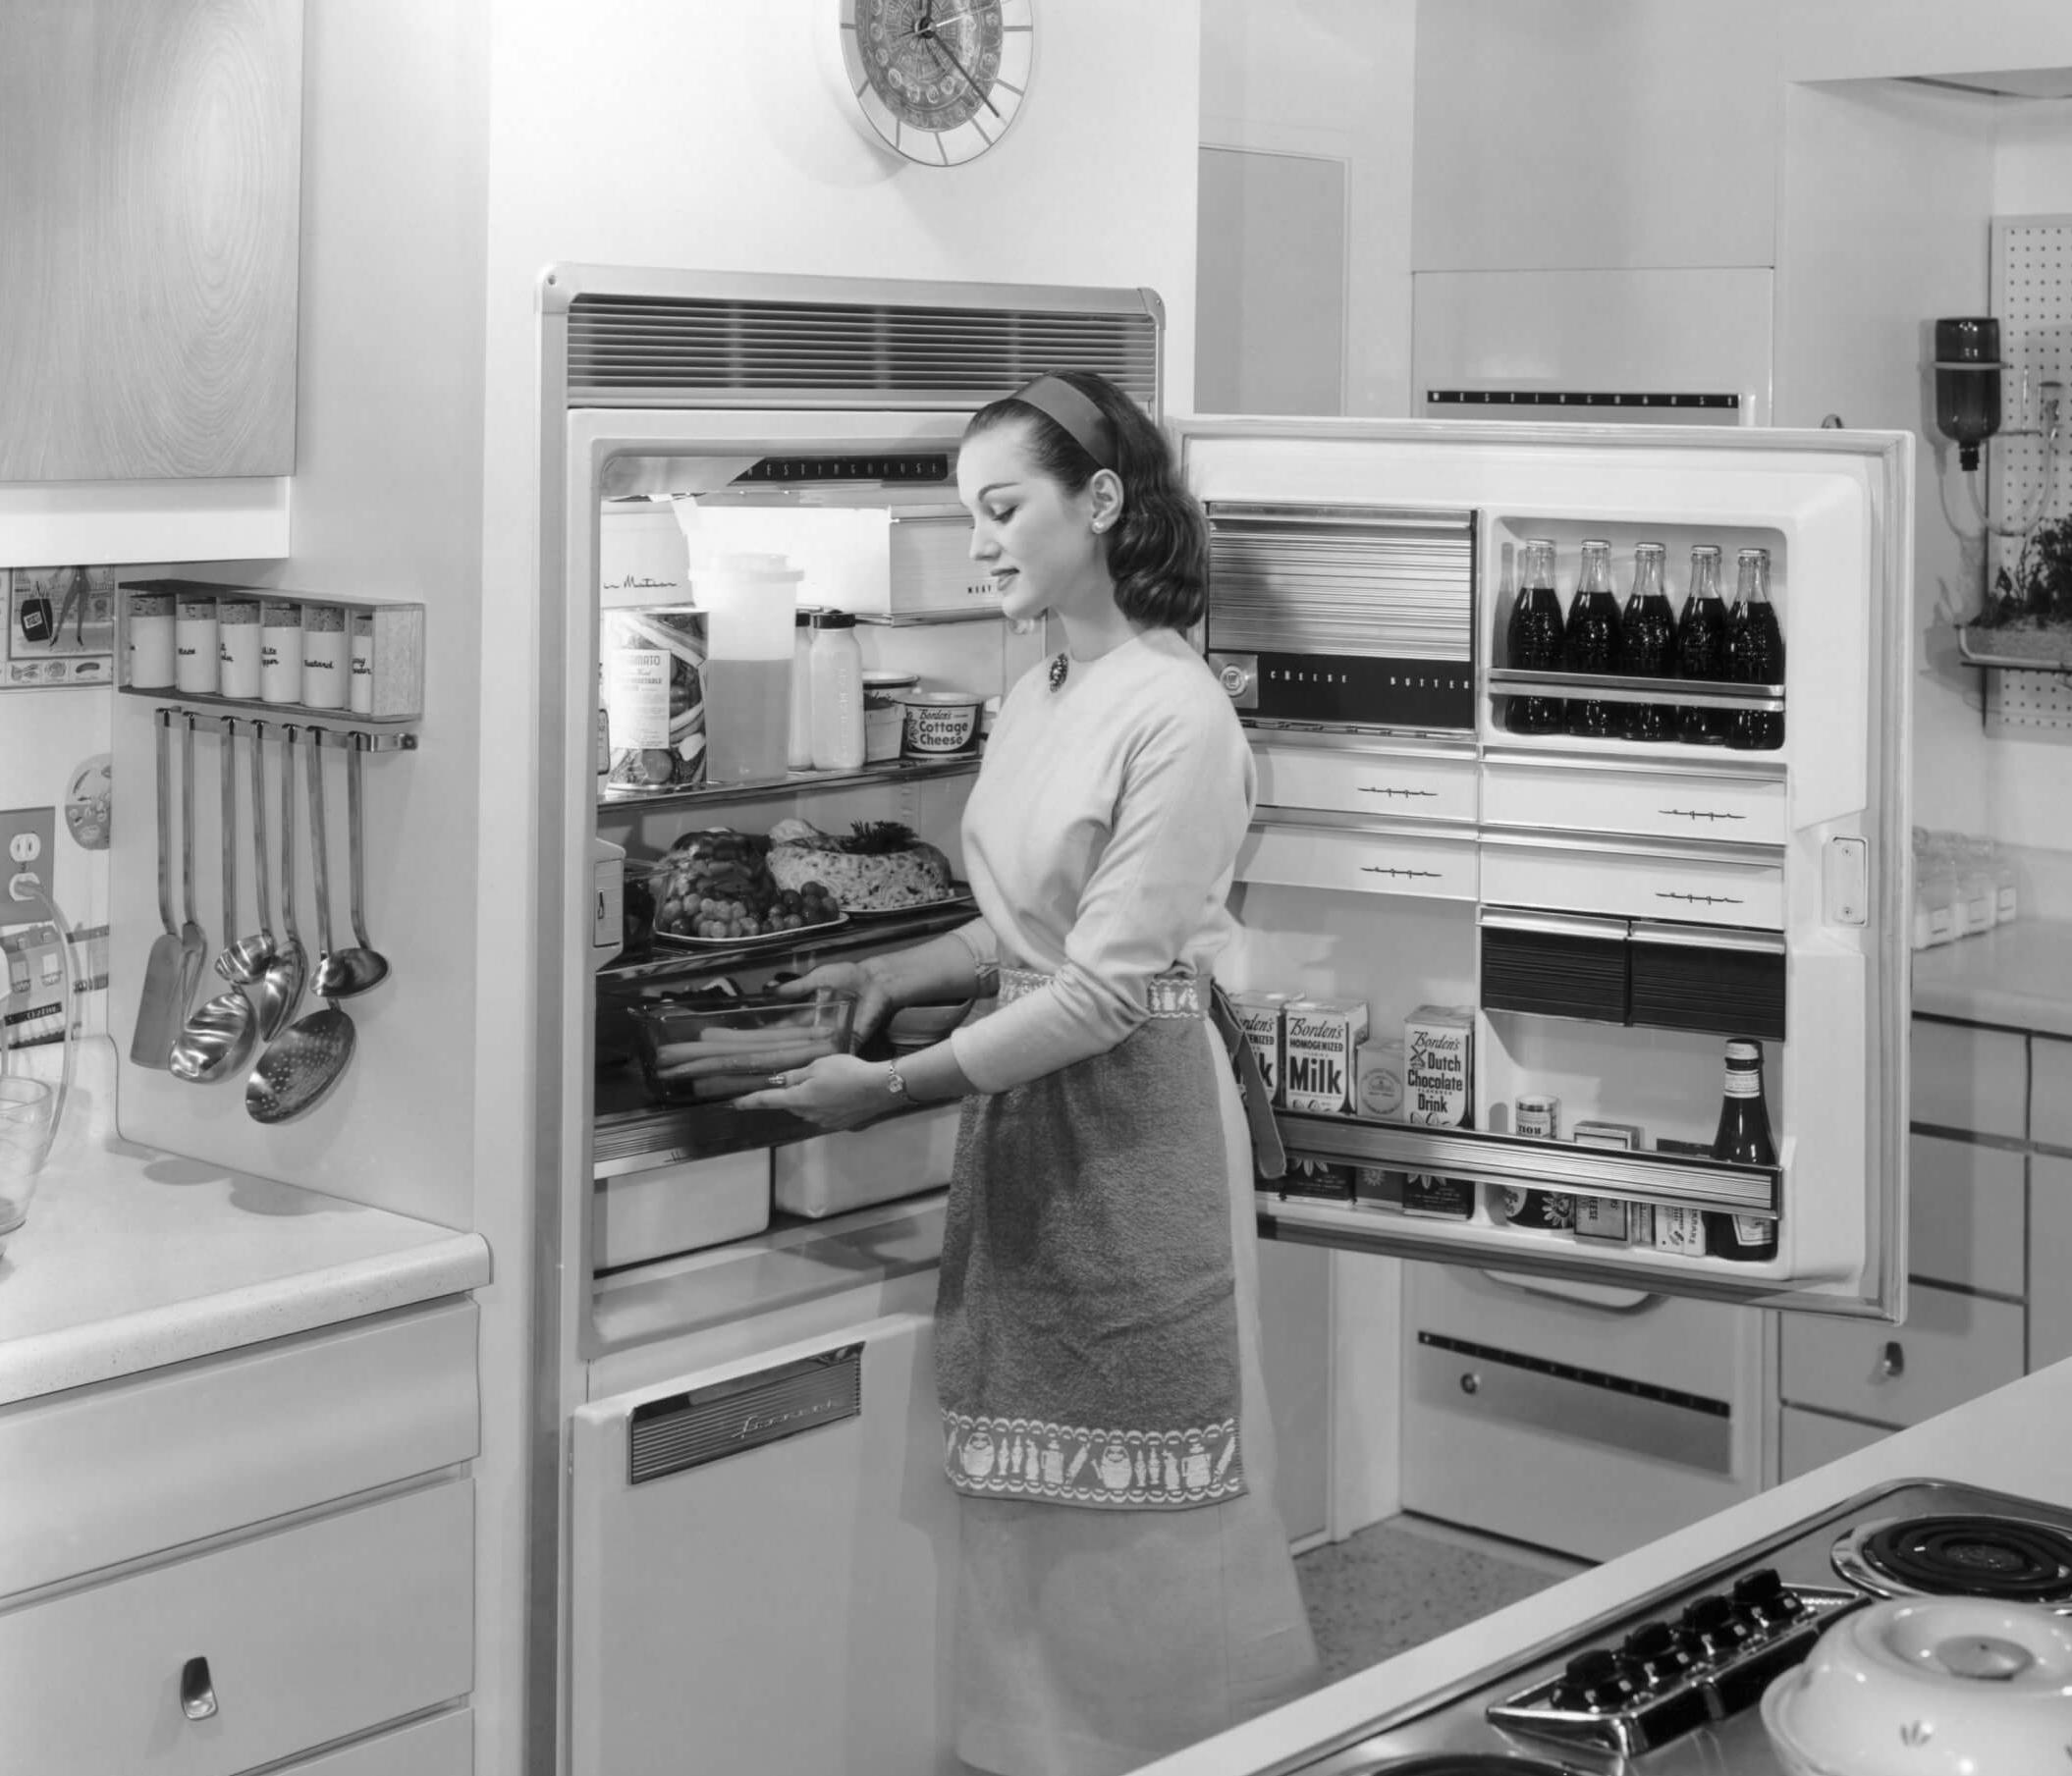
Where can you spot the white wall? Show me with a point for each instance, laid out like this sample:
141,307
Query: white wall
1333,78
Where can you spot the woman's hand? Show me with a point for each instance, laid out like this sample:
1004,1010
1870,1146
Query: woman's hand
874,1001
836,1091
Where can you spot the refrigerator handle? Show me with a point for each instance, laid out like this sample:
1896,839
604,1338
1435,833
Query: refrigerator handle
1600,1296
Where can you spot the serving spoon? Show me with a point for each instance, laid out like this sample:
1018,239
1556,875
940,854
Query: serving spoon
244,961
193,940
342,973
218,1040
279,989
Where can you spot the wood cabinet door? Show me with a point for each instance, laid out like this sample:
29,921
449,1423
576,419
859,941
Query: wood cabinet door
150,175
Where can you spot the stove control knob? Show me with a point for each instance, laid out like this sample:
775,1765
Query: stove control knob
1716,1626
1655,1649
1767,1596
1596,1682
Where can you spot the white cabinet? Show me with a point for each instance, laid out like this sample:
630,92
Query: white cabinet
237,1560
1965,1213
2050,1093
1970,1079
1951,1349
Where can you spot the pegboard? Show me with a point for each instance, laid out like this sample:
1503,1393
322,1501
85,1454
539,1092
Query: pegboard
2032,297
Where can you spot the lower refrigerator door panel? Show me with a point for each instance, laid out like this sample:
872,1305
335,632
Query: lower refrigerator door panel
779,1604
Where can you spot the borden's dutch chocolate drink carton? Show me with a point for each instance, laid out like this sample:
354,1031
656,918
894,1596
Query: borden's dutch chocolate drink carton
1319,1040
1259,1017
1439,1046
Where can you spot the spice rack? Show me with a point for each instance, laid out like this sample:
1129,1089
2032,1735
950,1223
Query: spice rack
394,667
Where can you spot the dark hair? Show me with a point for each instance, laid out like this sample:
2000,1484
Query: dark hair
1157,552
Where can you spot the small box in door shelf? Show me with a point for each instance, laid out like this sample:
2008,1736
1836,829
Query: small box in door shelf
1320,1042
380,662
1438,1064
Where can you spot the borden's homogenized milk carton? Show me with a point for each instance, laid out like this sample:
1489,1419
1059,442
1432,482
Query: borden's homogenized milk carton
1259,1017
1319,1041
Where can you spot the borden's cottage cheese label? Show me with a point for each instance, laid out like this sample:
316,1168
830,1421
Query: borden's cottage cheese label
1319,1041
1259,1017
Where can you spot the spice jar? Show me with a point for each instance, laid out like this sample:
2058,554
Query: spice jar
359,663
323,657
151,641
280,651
194,645
238,647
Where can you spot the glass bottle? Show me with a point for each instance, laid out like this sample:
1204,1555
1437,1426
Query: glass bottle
1533,640
1590,641
1701,647
798,737
1755,653
837,692
1982,888
2007,903
1647,637
1743,1138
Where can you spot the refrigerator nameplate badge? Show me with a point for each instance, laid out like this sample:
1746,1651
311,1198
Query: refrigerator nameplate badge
708,1423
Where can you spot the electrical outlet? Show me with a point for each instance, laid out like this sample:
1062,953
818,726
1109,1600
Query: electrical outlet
25,837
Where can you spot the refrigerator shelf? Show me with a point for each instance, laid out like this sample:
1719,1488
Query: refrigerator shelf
866,931
633,1134
1611,687
1670,1180
707,795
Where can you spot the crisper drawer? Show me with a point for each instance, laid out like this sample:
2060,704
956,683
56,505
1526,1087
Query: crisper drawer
251,1652
1952,1348
1640,884
1398,785
442,1745
1368,863
1652,804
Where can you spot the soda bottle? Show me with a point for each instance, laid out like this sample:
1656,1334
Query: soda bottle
1754,654
1744,1139
1590,642
1533,640
1701,647
1647,637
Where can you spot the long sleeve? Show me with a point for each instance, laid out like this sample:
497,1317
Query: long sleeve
1102,852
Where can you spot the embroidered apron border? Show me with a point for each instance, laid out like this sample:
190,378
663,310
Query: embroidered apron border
1071,1464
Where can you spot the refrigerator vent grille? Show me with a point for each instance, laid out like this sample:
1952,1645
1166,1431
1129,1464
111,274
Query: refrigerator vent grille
708,1423
696,352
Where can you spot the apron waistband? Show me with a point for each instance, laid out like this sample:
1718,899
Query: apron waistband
1178,992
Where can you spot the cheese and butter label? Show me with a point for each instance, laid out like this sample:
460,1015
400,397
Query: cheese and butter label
1320,1039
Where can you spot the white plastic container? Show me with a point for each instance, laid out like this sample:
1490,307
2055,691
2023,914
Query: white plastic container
834,1173
836,667
642,557
647,1214
799,746
749,602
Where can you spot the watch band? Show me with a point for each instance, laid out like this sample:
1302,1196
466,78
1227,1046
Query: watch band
894,1080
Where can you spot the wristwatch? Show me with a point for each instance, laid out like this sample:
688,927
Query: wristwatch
894,1080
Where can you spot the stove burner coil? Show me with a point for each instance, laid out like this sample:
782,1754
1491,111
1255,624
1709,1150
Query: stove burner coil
1973,1556
1466,1763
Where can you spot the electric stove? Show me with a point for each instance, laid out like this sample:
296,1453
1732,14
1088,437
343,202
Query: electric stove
1668,1686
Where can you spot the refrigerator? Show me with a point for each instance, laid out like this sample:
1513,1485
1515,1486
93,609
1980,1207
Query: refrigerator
1596,915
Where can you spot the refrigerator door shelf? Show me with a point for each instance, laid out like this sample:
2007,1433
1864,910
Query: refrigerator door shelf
1395,786
1608,688
1362,860
1633,883
1651,804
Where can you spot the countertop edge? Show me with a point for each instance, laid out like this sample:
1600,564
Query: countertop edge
130,1344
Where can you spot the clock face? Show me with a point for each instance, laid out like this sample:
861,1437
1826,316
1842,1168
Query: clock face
939,81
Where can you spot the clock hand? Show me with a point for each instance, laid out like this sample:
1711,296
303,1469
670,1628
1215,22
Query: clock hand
936,39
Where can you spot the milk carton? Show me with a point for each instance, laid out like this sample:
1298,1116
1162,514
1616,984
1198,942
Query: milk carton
1437,1065
1320,1039
1259,1016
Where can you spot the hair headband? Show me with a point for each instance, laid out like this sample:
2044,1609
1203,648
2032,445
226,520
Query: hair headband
1067,408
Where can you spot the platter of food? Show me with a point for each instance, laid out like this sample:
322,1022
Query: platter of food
775,939
962,898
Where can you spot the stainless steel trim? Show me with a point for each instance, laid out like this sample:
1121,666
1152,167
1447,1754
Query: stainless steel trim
1555,925
1376,743
1732,770
1710,850
706,1424
1611,687
1485,1158
380,732
1454,829
1363,518
1710,937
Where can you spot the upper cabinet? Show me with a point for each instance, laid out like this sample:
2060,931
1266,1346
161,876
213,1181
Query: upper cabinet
150,170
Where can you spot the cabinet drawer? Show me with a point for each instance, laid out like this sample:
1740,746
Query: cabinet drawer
1369,863
1976,1080
1638,885
1966,1207
1812,1439
2049,1277
310,1634
1397,785
1952,1349
1743,810
124,1468
2051,1092
442,1746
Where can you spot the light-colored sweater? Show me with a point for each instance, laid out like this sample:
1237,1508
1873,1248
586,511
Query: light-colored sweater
1100,841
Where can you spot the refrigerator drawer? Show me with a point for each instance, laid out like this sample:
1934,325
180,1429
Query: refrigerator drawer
1952,1349
286,1641
1812,1439
1638,885
1657,805
1397,785
1368,863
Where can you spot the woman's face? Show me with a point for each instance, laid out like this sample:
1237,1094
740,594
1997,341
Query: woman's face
1036,540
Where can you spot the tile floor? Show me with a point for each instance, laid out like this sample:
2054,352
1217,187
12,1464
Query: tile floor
1408,1580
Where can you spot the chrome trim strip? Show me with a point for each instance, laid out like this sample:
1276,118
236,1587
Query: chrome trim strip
1611,687
1555,925
1710,937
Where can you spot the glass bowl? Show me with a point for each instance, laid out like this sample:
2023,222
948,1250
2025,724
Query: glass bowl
700,1050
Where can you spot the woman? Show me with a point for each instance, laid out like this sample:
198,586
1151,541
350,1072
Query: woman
1124,1586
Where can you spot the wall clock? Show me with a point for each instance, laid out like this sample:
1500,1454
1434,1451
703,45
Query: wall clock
937,80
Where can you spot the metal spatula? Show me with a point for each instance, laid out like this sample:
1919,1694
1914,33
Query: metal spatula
160,1011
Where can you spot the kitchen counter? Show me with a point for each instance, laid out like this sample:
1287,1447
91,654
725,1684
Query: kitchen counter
132,1258
2017,1439
2019,975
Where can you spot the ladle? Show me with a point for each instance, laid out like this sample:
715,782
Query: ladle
219,1037
278,992
244,961
193,940
342,973
296,1073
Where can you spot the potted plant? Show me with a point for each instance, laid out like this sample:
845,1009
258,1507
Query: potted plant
2028,613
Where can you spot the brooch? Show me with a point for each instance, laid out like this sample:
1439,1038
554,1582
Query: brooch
1058,668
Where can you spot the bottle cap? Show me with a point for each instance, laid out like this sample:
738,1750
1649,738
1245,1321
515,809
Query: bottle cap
1746,1049
833,619
1649,549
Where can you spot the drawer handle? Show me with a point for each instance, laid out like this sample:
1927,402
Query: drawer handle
1698,900
1376,869
198,1697
1471,1382
1892,1364
1699,814
1390,789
